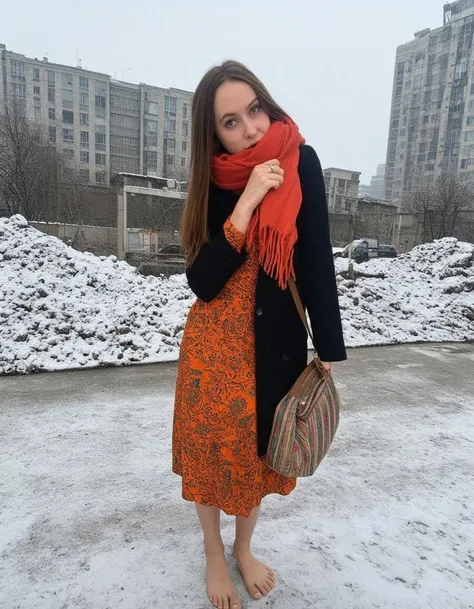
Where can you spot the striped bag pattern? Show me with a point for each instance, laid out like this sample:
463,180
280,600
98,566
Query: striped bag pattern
306,419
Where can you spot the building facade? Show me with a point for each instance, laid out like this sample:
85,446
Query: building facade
101,125
432,115
342,189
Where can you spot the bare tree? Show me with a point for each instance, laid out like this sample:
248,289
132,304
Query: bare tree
29,167
442,200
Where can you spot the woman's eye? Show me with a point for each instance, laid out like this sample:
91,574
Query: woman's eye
254,109
230,123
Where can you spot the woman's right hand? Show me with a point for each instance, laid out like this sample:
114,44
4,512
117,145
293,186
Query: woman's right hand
261,180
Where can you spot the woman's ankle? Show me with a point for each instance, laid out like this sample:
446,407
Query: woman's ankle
241,547
214,548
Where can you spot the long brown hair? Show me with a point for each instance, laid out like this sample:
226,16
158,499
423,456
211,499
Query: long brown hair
205,143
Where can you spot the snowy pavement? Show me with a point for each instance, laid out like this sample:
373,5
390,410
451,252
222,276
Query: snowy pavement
91,516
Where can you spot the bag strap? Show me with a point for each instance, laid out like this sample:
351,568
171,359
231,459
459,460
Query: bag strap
299,306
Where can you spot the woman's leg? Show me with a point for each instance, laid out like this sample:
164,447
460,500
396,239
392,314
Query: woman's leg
258,578
220,589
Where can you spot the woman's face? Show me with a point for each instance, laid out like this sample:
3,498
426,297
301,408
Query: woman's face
240,122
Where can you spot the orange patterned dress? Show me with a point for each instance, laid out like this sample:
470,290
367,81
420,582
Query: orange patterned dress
215,419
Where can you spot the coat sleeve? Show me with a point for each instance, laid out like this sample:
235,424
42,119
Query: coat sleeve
318,279
216,262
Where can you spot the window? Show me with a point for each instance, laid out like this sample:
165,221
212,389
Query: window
185,128
183,161
68,135
84,139
67,79
68,116
184,146
18,70
100,102
100,178
99,159
100,141
36,91
67,99
150,158
19,90
170,159
83,82
52,134
170,105
83,119
170,125
51,96
151,127
185,111
52,114
36,74
84,156
37,111
152,108
100,88
84,101
69,154
84,176
170,145
469,136
51,79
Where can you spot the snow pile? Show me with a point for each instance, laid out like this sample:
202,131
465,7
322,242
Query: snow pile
60,308
424,295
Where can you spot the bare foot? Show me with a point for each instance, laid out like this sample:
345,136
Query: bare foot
258,578
220,589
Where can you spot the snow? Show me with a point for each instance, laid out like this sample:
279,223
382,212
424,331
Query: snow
63,309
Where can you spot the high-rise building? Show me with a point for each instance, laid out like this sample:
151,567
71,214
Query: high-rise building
101,125
432,116
376,188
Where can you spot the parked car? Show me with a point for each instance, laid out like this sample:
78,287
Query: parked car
387,251
365,249
360,250
171,248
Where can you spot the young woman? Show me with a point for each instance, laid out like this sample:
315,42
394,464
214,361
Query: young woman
256,214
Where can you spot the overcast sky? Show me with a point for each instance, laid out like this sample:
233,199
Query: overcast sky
328,63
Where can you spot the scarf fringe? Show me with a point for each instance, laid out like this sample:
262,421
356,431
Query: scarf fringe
275,253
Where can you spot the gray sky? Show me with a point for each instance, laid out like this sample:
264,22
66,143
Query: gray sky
329,64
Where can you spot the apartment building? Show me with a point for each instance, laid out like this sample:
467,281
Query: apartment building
432,114
102,126
342,189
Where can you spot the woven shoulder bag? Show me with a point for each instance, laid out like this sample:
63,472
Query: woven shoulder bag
306,419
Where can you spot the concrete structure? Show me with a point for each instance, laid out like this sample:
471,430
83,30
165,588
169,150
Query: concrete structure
376,189
432,115
342,189
103,126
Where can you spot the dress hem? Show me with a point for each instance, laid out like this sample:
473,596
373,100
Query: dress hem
244,513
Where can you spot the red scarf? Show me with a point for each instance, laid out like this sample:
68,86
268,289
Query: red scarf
273,223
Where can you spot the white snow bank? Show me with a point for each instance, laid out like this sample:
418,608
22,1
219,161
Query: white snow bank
60,308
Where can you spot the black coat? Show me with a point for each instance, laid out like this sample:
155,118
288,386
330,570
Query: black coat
280,337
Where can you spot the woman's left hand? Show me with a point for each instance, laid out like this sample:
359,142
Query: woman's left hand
329,366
